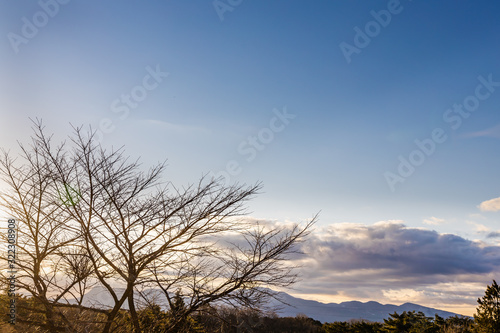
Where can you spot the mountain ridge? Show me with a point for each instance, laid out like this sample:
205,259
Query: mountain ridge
349,310
292,306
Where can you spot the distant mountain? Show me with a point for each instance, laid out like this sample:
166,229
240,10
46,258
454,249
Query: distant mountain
99,297
372,311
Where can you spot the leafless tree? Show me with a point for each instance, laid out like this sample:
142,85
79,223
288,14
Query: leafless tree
119,225
46,237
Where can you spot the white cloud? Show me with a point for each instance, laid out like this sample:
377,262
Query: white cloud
178,128
403,295
481,228
434,220
492,205
477,217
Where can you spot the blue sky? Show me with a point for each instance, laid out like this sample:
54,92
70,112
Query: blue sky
233,66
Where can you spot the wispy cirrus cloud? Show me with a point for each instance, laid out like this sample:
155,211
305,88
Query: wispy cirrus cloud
177,128
492,132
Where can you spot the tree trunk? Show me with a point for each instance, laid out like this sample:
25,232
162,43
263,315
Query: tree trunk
133,313
116,309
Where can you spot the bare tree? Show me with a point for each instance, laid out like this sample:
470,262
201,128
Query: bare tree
45,236
130,229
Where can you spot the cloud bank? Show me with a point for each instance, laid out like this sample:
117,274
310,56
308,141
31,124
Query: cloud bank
390,262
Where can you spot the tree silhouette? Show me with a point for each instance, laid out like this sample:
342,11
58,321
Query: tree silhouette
47,240
91,216
487,315
410,322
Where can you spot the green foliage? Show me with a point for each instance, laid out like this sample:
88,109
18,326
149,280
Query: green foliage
352,327
26,310
32,316
153,319
458,324
410,322
336,327
487,317
179,320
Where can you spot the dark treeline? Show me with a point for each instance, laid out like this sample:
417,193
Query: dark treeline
233,320
225,319
405,322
